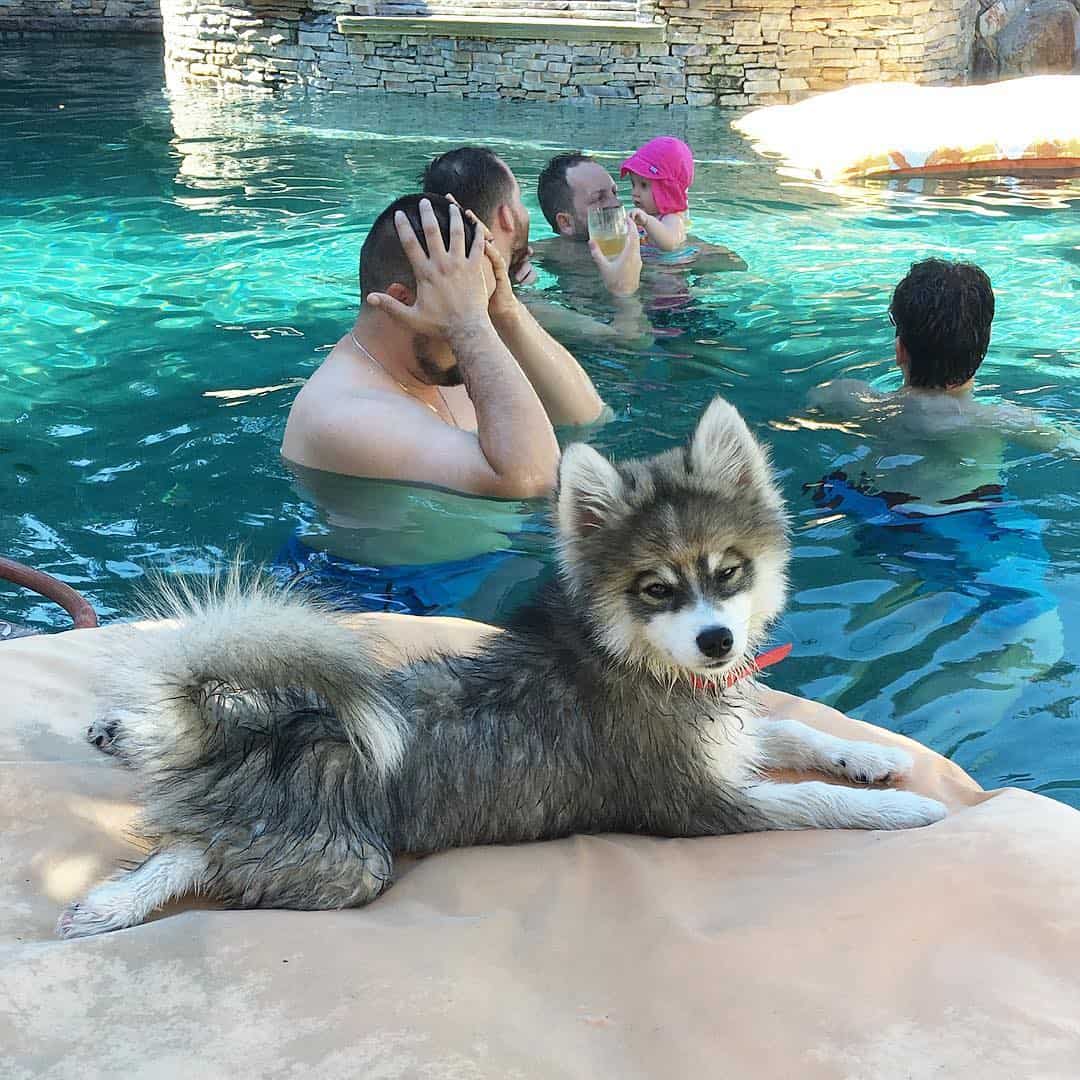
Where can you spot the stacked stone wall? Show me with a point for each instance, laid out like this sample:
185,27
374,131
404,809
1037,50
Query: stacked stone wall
282,50
694,52
63,16
765,52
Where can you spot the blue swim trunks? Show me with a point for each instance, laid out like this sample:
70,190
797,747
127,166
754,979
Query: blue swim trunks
424,589
992,549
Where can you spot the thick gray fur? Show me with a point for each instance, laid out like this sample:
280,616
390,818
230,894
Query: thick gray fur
283,766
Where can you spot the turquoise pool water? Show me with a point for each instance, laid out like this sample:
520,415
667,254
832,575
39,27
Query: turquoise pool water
174,264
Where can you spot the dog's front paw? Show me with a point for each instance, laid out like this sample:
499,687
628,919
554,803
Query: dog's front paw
84,920
906,810
869,763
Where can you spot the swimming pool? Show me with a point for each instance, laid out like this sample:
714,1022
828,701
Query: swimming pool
173,264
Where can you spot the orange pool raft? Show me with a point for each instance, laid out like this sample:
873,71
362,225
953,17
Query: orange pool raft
883,130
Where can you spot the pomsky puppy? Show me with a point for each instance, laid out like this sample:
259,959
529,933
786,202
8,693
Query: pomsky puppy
283,766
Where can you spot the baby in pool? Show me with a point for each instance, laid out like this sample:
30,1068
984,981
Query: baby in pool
661,173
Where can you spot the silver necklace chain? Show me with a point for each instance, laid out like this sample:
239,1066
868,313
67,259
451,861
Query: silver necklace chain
438,389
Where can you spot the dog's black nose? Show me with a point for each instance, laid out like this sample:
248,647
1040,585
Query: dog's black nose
716,642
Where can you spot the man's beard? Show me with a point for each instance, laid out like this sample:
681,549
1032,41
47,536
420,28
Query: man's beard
519,252
430,371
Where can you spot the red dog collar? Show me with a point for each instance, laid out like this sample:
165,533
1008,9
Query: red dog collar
762,660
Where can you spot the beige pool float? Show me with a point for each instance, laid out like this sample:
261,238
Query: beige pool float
883,130
950,951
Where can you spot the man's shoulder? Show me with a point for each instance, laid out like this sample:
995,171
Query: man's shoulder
323,406
350,399
843,395
358,431
1011,414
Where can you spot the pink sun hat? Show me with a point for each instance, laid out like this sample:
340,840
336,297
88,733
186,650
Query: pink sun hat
669,164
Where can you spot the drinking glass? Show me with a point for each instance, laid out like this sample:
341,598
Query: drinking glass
607,226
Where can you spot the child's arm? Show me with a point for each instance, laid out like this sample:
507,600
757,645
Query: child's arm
667,233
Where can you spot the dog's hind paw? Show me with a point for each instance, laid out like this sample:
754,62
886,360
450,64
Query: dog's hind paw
83,920
106,732
102,734
869,763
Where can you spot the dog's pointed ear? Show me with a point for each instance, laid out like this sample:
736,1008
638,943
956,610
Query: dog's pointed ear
724,448
590,490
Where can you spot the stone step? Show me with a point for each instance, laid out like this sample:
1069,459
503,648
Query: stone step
517,27
619,10
513,13
436,7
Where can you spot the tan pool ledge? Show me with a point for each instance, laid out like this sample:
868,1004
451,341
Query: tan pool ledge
464,26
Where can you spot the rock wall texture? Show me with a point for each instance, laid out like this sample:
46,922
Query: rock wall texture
602,52
59,16
700,52
1026,37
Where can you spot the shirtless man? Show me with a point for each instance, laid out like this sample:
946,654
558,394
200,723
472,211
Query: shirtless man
569,187
443,379
970,601
938,446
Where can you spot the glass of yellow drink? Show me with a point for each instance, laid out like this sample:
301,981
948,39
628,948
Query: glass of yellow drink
607,226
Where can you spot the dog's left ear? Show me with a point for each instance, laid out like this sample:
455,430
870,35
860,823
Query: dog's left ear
723,448
590,491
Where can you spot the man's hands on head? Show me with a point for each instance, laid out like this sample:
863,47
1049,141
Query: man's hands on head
514,453
566,392
504,306
622,274
452,288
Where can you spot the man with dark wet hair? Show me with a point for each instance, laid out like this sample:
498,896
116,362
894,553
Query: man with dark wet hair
942,312
436,382
569,186
923,486
480,181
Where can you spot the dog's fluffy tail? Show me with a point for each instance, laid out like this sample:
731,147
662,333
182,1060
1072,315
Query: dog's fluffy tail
238,658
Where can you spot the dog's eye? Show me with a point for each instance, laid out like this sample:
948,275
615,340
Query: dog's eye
659,590
726,573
